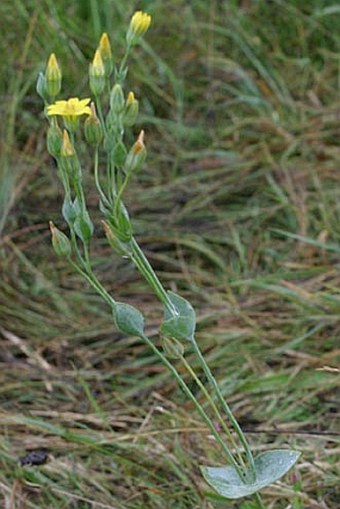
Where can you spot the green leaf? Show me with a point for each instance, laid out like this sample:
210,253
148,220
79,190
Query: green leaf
128,319
270,466
181,326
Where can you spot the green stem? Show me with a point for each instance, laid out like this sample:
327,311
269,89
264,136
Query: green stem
93,281
260,504
144,267
215,409
120,193
96,177
225,407
198,406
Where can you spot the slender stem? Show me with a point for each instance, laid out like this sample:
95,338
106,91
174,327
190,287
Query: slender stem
96,177
93,281
198,406
215,409
143,265
120,193
259,501
225,407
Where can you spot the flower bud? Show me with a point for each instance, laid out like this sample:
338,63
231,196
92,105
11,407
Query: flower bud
54,138
136,155
83,226
139,24
60,242
97,74
92,128
68,157
117,99
131,110
121,248
53,76
41,87
106,53
172,347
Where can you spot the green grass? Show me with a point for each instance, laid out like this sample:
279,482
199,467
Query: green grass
237,209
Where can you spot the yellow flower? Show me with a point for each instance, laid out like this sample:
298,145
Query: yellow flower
139,24
73,107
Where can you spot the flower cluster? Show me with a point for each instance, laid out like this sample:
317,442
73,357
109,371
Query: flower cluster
107,117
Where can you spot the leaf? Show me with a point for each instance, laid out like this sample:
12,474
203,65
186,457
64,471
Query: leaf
270,466
180,326
128,319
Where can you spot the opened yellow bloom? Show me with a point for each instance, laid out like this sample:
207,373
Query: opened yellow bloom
73,107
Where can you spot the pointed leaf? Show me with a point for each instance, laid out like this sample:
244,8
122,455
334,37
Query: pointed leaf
270,466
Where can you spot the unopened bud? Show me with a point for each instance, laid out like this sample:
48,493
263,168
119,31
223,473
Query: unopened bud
97,74
53,76
139,24
68,157
92,128
117,99
60,242
121,248
54,138
83,226
131,110
41,87
106,53
136,155
172,347
67,149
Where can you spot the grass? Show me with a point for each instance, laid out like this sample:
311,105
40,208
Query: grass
237,209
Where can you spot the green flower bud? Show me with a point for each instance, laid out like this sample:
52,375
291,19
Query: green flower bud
119,247
60,242
83,226
97,74
68,161
131,110
92,128
136,155
53,77
106,53
54,138
41,87
172,347
117,102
